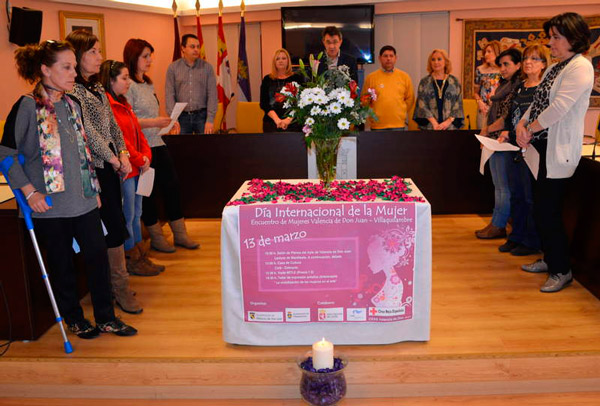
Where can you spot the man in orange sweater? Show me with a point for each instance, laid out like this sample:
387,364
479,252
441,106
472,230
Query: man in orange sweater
395,94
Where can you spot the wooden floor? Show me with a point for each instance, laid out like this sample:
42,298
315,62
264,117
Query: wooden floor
495,340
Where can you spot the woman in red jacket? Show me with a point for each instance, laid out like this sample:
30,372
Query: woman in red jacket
114,76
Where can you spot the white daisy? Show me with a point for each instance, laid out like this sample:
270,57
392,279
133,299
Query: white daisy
343,124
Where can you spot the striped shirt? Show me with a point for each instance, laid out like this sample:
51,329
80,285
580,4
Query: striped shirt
195,85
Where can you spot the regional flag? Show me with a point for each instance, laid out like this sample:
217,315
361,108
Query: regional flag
223,72
199,35
243,74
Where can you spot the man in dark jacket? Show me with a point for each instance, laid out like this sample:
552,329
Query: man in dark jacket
332,58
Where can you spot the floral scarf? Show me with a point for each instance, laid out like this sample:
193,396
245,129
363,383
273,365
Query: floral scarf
50,149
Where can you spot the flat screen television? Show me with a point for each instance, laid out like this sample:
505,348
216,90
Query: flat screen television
302,26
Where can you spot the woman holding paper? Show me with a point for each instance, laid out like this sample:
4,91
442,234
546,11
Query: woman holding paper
137,56
46,127
110,157
114,76
510,66
524,239
553,125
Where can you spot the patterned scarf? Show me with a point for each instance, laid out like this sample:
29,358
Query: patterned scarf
50,149
541,98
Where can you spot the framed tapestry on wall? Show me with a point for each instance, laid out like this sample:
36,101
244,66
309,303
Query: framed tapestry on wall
518,33
93,23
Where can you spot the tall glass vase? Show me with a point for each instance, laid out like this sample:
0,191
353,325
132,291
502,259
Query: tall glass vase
326,151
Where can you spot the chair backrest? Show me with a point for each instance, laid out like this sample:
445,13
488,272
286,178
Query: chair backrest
470,109
218,117
412,124
1,128
249,117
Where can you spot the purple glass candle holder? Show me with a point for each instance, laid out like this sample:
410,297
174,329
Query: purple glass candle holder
323,387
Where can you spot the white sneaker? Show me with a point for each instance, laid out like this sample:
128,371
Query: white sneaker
538,266
556,282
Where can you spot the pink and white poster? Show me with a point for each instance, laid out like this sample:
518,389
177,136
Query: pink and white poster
338,262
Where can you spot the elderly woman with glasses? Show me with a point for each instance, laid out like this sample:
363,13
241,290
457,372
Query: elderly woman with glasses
523,240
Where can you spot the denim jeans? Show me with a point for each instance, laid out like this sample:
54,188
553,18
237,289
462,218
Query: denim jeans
132,209
192,122
521,204
498,163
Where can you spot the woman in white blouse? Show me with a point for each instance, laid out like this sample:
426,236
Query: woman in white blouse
553,125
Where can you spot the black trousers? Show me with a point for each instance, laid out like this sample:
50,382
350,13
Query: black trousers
166,185
56,235
548,203
112,206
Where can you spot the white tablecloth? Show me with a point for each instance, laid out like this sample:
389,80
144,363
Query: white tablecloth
237,331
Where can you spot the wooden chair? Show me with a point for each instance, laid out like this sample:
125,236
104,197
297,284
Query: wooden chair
218,117
249,118
1,128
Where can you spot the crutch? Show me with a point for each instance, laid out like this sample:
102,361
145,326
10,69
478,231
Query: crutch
5,165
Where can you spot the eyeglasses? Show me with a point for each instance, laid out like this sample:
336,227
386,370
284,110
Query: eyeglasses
533,58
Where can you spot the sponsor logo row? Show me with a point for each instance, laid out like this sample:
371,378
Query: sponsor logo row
327,314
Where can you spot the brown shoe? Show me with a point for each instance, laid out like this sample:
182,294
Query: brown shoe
180,235
124,297
143,250
491,233
158,240
484,229
136,265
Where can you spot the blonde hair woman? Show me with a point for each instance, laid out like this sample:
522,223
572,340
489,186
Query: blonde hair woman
275,119
439,100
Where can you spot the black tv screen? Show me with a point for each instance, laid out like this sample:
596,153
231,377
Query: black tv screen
302,28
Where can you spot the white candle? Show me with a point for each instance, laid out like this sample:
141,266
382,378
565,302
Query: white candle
322,353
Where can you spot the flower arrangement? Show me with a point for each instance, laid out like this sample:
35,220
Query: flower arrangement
395,189
328,106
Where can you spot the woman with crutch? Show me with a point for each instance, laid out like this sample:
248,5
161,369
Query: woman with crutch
45,126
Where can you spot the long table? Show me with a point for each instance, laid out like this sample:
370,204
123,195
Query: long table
238,328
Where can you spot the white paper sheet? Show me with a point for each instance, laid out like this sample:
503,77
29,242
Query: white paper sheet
486,153
494,145
532,159
491,145
145,183
174,116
